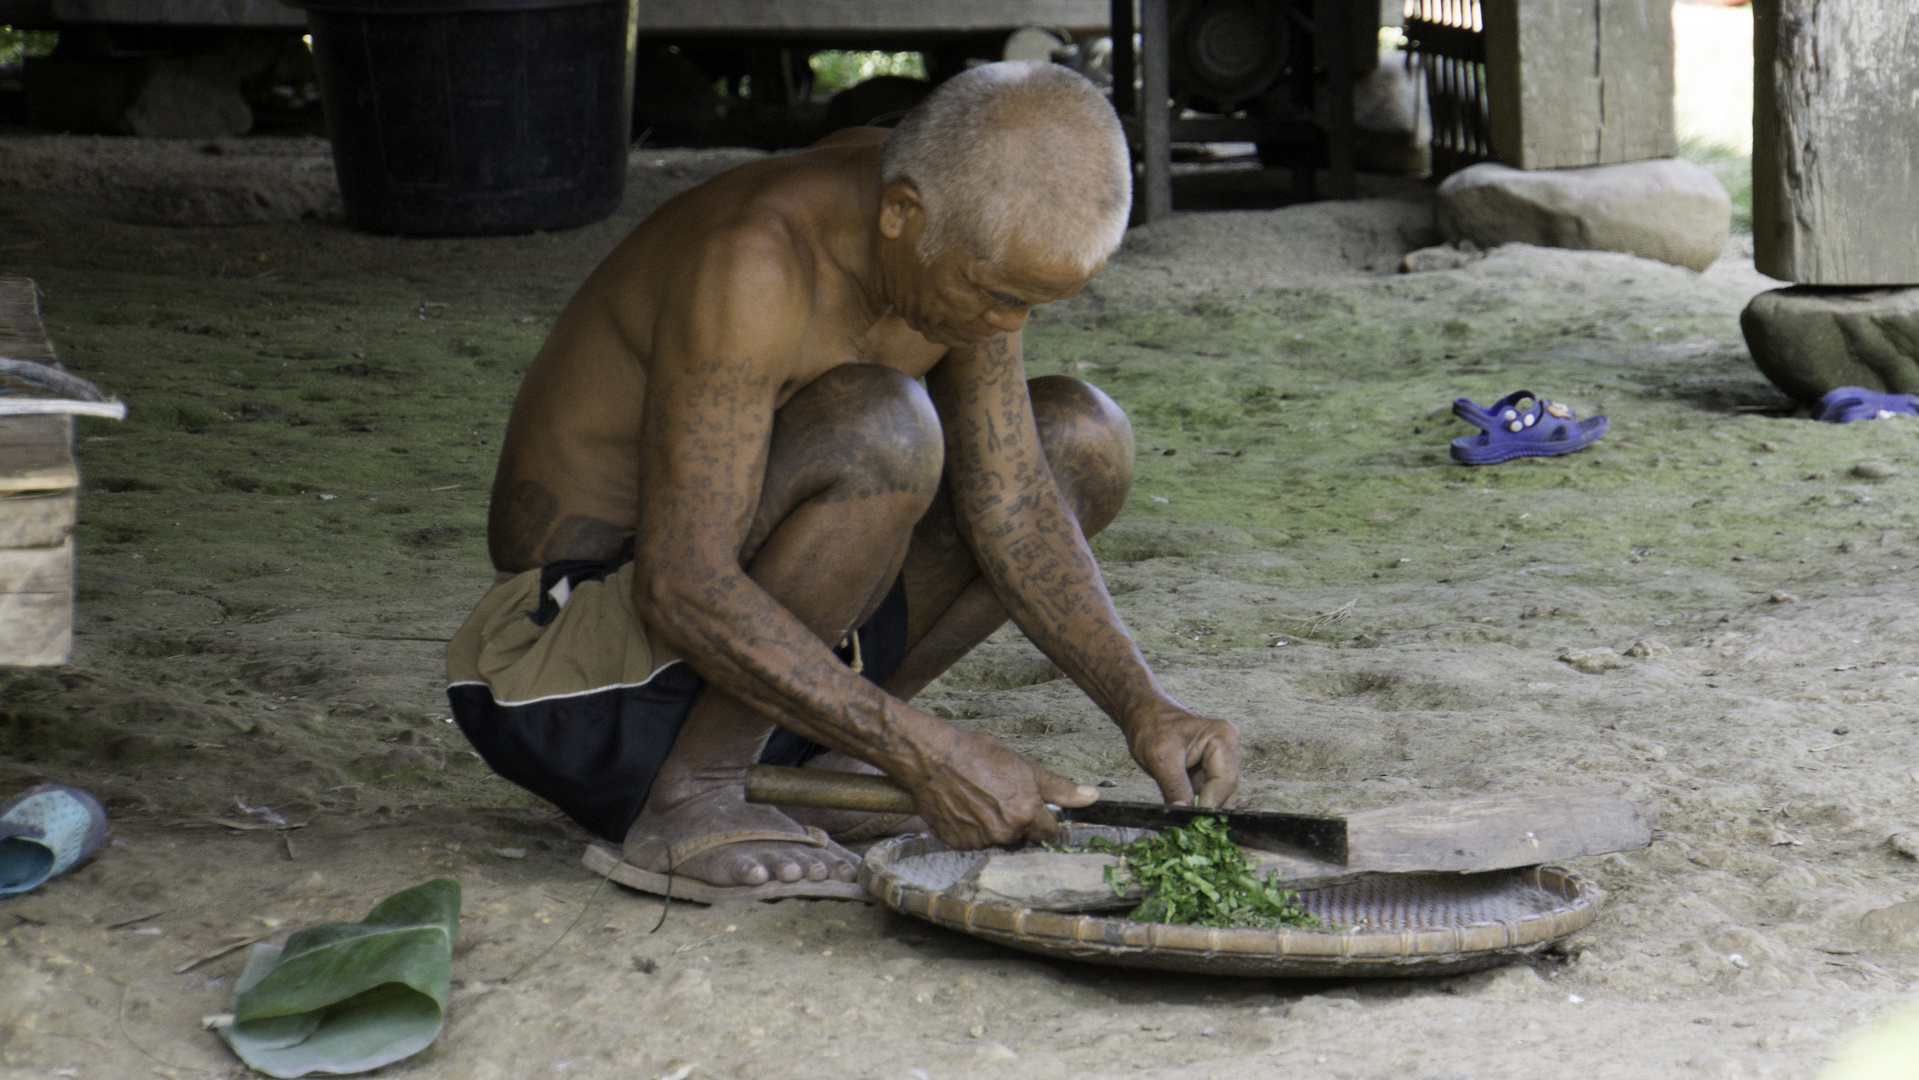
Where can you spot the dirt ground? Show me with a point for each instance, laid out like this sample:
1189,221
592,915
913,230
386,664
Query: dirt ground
278,541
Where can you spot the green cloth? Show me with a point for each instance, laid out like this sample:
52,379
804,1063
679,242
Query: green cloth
345,998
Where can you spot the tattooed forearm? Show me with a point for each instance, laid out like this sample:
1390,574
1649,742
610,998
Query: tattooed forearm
1025,538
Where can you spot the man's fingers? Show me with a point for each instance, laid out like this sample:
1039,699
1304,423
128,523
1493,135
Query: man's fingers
1218,774
1218,791
1174,786
1059,791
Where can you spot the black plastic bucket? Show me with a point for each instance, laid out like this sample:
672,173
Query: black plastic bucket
462,117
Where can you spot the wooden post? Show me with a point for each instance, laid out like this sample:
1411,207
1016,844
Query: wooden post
1579,82
1155,116
1336,24
1835,147
1125,68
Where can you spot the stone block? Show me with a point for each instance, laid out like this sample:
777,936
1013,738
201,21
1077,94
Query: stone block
1810,340
1668,209
1579,82
1835,155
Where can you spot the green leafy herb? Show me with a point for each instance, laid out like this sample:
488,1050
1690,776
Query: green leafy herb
1196,875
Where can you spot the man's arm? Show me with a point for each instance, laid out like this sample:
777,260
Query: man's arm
1028,544
716,363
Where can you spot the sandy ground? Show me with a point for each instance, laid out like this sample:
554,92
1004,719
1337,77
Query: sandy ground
278,541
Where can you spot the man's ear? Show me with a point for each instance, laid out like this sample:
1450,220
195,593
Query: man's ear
902,214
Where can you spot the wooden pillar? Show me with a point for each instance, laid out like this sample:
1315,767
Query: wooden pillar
1579,82
1835,148
1336,23
1155,116
1125,67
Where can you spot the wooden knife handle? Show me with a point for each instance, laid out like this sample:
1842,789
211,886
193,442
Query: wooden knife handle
826,789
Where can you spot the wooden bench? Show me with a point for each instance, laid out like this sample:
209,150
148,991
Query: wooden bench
39,486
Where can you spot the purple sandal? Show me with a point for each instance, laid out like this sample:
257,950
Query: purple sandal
1849,403
1542,430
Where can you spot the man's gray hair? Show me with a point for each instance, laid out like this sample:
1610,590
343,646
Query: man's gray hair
1019,152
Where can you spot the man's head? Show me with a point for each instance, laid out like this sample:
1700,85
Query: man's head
1022,154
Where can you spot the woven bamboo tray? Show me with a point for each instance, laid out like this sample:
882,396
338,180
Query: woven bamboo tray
1397,925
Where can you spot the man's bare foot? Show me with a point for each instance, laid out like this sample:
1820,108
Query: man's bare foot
854,827
720,808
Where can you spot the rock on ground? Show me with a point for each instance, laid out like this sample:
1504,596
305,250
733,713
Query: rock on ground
1667,209
1810,340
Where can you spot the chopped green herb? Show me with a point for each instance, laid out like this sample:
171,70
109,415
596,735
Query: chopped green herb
1196,875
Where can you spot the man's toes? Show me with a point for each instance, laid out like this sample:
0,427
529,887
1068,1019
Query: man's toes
742,870
785,867
845,871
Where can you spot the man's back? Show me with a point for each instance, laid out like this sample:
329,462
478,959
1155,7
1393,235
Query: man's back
776,243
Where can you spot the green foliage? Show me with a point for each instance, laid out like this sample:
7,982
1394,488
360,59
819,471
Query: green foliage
836,69
350,997
1733,168
17,45
1196,875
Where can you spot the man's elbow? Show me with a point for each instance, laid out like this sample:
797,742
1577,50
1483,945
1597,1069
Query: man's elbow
668,603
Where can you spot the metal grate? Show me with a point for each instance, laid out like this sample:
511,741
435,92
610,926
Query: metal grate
1448,43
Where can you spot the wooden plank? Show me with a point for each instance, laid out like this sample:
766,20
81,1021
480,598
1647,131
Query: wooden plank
36,454
1492,832
1572,83
1486,832
819,16
1835,155
264,14
37,520
36,606
22,335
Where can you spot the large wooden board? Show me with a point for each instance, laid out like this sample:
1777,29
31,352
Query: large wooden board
259,14
819,16
1835,148
1471,835
1579,82
36,606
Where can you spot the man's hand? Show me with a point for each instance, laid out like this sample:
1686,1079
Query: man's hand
1192,758
985,795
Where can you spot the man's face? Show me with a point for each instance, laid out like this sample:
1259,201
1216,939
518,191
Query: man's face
959,300
956,299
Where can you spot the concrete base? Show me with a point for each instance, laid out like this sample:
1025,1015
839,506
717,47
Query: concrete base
1665,209
1811,340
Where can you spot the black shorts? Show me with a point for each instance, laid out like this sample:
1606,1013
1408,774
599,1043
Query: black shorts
561,689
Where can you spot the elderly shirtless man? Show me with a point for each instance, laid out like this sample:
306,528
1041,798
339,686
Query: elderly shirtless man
732,525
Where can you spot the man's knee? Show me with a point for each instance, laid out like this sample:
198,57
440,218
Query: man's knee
1089,445
871,427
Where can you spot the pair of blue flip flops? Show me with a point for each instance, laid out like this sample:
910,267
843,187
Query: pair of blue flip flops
1510,429
1849,403
45,831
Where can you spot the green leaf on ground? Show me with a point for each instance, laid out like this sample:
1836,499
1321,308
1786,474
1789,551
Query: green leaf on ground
345,998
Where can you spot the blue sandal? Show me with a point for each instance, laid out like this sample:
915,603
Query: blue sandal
45,831
1543,430
1849,403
